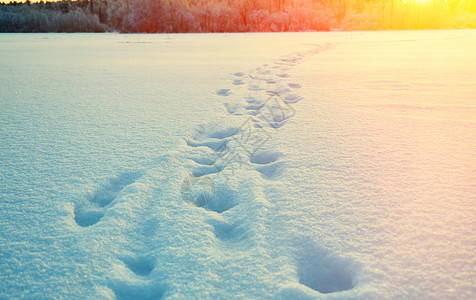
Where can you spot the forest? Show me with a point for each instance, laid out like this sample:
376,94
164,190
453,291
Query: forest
181,16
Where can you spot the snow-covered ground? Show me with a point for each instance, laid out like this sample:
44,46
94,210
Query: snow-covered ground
285,166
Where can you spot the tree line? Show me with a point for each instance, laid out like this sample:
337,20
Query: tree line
167,16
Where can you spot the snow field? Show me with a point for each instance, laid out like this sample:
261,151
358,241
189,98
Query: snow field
150,171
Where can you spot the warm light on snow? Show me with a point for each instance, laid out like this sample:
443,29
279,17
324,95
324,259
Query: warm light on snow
334,165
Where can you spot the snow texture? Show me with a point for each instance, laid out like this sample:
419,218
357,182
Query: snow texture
238,166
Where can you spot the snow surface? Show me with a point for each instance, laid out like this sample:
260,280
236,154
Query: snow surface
285,166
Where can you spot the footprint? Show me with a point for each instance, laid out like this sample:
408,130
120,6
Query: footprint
269,171
217,146
238,82
228,232
138,289
204,160
197,191
294,85
254,107
224,92
277,125
86,216
223,199
283,75
239,74
105,195
207,131
279,62
323,271
291,60
261,78
256,85
141,266
207,170
239,110
271,81
292,98
278,89
90,211
264,158
234,108
254,98
276,112
225,133
263,70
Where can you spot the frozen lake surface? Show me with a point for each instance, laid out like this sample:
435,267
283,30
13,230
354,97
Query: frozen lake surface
238,166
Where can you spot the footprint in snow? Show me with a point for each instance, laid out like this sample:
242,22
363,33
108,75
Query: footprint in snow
204,170
270,171
292,98
278,89
255,98
224,92
138,289
271,81
294,85
323,271
197,191
267,164
229,232
204,160
207,136
91,210
256,85
202,192
263,158
215,145
263,70
283,75
140,265
238,82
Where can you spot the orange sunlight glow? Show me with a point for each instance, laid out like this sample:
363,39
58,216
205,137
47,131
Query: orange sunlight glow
277,15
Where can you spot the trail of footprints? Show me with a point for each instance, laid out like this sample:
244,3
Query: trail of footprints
92,209
319,271
254,89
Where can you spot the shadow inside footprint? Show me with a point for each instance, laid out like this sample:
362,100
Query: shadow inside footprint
269,171
207,170
324,272
224,92
87,217
217,146
203,160
228,232
225,133
238,82
105,195
263,158
90,211
292,98
223,199
294,85
142,265
145,290
267,161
